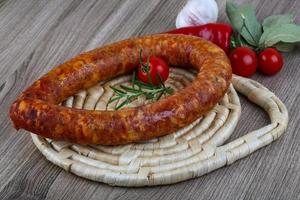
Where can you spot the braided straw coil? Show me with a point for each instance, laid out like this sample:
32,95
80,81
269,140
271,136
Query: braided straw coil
190,152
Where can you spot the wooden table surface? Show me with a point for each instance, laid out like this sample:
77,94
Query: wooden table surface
37,35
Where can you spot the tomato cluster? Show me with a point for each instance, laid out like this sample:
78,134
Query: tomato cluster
245,62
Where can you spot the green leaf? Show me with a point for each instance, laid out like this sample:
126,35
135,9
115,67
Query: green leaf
128,89
126,94
277,19
169,90
289,33
159,95
122,104
113,99
238,15
284,47
149,95
133,97
144,85
118,91
236,41
230,8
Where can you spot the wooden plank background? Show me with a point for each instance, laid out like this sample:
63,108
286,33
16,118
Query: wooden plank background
36,35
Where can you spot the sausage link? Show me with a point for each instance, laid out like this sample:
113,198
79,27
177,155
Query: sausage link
37,109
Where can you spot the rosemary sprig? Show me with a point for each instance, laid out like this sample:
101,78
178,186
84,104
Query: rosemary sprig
129,94
149,90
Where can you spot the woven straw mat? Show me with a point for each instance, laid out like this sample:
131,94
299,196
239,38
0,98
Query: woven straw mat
190,152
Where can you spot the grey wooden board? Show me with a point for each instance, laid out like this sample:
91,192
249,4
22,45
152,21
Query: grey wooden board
36,35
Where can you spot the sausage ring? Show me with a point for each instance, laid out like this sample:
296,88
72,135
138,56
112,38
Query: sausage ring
37,109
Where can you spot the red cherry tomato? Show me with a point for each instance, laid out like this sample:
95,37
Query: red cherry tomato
243,61
270,61
157,68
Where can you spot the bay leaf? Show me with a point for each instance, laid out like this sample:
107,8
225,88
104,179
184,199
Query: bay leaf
289,33
277,19
284,47
237,14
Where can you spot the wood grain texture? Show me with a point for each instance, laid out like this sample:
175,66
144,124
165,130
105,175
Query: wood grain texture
37,35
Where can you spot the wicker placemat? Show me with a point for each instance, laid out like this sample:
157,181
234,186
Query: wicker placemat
188,153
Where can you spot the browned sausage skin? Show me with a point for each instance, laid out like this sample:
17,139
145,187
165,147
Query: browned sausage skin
37,109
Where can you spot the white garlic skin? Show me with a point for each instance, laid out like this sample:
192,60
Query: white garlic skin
197,12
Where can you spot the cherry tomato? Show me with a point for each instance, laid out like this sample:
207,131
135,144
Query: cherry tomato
157,69
243,61
270,61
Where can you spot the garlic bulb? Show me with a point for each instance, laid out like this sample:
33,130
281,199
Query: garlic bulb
197,12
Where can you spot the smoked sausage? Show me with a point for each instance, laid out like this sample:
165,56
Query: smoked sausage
37,109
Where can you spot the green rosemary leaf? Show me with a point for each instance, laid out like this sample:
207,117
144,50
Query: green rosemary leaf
133,97
144,85
126,101
116,90
149,95
159,95
128,89
113,99
169,90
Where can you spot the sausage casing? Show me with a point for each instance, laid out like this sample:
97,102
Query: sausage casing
37,109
